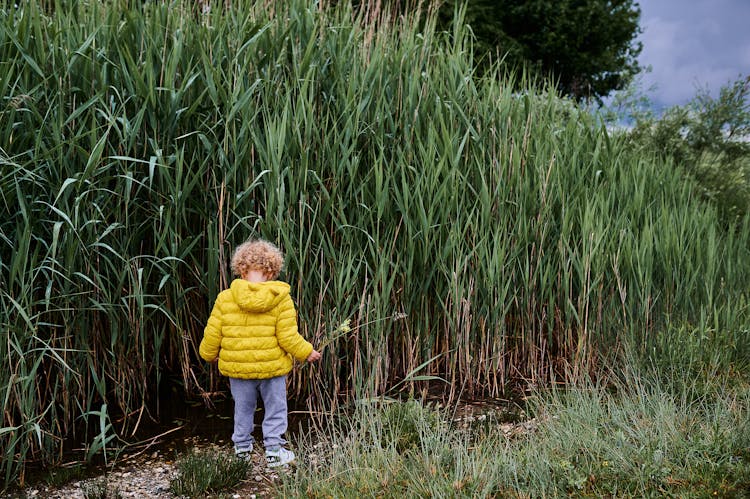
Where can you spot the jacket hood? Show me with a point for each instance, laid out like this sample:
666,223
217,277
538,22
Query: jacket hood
258,296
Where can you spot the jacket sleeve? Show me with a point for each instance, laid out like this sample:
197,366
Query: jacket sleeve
287,334
209,347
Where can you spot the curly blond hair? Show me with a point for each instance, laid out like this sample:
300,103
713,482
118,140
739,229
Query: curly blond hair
257,254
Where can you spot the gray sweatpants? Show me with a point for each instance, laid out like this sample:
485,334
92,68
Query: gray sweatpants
245,393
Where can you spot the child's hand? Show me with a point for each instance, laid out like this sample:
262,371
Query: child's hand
314,355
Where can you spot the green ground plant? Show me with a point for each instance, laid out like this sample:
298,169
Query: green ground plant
100,488
207,472
64,474
467,231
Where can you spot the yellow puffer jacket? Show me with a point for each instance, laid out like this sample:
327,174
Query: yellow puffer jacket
253,330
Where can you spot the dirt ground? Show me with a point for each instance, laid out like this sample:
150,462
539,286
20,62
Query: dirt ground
149,477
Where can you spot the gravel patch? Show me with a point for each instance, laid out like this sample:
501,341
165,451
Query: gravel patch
150,477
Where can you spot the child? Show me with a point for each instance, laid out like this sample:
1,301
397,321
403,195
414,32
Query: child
253,331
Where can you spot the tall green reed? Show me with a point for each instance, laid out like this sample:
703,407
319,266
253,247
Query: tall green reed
142,141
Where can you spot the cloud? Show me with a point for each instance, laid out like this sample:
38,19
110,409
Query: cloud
693,45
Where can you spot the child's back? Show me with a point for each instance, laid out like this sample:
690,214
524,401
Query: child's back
253,332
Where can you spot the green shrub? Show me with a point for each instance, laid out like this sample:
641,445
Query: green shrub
708,139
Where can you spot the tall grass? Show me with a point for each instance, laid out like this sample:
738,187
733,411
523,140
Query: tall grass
587,440
141,141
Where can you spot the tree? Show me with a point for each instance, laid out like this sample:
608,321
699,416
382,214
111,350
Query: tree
708,138
588,47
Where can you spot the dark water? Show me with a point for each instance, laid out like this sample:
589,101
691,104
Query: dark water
213,423
183,424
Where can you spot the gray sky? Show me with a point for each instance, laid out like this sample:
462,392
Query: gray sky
691,45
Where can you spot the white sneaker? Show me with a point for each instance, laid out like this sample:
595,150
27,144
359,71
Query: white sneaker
279,457
244,454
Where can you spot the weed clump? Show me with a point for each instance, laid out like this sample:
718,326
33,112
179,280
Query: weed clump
199,473
405,423
61,475
100,489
